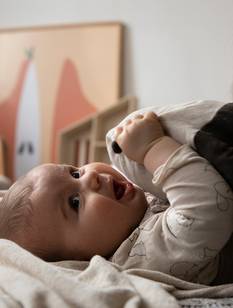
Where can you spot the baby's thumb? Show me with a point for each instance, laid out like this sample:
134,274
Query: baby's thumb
151,116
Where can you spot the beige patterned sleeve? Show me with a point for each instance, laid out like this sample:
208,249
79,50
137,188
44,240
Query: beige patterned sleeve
199,221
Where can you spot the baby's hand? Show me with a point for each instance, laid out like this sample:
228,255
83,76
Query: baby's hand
138,135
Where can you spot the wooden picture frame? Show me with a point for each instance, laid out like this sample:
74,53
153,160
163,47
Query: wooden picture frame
67,72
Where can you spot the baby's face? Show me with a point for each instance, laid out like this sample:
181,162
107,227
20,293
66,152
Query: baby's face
80,212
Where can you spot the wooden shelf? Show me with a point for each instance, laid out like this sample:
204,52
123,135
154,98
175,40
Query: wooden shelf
84,142
100,144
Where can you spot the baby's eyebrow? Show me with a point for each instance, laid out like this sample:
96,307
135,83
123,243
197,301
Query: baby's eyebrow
66,168
63,167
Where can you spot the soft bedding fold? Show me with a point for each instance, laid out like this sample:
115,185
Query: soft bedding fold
27,281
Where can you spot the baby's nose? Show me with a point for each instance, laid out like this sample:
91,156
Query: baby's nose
93,180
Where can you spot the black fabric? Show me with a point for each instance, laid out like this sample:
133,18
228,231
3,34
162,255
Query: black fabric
116,148
214,142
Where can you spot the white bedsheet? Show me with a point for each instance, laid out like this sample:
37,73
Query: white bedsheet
27,281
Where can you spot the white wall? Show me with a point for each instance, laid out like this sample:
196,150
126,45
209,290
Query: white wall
175,50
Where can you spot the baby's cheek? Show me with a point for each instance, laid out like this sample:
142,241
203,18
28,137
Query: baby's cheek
140,205
99,207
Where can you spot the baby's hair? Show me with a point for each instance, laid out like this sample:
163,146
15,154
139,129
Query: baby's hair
16,217
15,209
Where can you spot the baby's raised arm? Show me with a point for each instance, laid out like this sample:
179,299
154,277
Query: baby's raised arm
189,235
142,140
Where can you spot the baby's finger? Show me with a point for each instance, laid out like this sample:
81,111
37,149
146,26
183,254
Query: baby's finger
118,130
115,146
128,122
151,116
139,116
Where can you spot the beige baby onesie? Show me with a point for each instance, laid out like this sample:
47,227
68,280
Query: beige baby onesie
185,238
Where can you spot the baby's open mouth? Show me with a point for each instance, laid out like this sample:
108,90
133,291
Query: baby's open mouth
119,189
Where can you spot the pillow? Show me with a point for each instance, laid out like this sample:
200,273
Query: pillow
181,122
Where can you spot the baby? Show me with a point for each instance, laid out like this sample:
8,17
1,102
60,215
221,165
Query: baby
61,212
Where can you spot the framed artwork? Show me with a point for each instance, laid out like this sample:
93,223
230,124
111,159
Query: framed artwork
51,77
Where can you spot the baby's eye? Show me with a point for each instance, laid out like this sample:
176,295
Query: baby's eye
74,203
76,174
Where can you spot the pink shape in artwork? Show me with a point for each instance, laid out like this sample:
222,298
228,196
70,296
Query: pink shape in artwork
71,104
